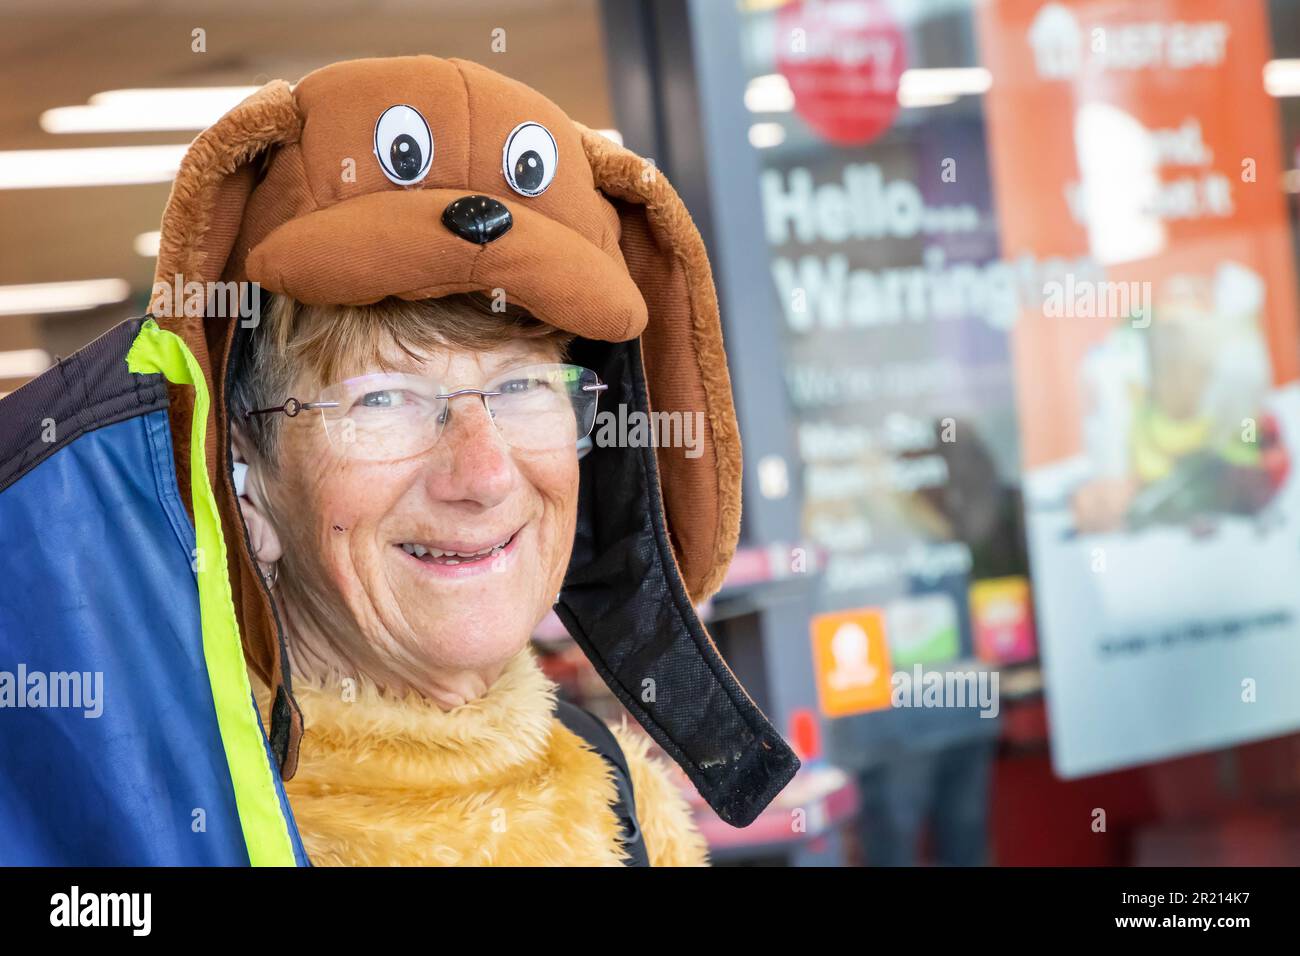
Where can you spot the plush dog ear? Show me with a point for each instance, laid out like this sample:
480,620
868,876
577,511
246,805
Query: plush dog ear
684,359
206,207
657,527
199,226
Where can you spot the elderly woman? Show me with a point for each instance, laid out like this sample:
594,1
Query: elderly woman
351,496
414,534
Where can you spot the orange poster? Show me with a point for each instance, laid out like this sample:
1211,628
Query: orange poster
1140,137
1135,157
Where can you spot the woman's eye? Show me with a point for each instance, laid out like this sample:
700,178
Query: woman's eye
403,145
384,399
530,159
517,386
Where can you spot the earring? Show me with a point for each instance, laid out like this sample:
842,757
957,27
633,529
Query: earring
272,577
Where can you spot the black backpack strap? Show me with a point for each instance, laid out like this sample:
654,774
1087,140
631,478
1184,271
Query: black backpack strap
603,741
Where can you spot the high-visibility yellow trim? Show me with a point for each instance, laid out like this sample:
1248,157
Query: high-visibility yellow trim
266,832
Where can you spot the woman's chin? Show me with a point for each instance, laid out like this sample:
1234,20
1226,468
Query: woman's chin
467,614
471,640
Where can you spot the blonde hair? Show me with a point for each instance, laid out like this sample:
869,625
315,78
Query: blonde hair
331,342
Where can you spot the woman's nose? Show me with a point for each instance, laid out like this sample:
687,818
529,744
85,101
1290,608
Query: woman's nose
480,468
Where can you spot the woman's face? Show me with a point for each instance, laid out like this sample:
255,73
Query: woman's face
347,528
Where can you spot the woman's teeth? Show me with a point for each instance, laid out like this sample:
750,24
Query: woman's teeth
452,557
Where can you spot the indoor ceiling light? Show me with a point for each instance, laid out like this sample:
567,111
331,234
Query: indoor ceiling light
24,363
97,166
43,297
766,135
146,244
144,110
769,93
943,85
916,100
1282,77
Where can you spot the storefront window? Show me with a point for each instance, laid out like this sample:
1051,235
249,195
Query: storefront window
1035,271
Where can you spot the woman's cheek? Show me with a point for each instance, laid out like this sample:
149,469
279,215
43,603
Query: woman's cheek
558,485
352,505
339,489
329,507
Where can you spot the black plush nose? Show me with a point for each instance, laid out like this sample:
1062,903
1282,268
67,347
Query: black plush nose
477,218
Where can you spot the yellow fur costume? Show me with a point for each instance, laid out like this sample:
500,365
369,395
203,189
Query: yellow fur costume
499,781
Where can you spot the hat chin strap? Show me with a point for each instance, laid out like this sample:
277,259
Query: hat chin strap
625,604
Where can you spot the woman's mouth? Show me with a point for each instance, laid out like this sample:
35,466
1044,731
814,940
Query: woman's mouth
462,559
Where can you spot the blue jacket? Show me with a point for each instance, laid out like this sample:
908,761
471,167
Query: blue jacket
128,731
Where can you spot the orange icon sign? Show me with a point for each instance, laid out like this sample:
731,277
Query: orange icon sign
851,658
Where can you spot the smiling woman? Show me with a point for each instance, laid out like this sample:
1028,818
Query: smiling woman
407,422
408,476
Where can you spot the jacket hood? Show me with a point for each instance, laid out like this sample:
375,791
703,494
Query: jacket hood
420,177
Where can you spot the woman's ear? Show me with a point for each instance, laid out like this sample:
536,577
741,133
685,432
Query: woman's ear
250,475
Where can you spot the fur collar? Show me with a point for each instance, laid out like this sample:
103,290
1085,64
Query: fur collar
498,781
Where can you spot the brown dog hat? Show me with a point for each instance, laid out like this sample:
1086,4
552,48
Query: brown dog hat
419,177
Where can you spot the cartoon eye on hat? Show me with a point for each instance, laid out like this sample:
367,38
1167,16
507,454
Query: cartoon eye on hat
403,145
530,158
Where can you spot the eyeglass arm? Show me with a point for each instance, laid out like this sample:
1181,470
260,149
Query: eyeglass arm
291,407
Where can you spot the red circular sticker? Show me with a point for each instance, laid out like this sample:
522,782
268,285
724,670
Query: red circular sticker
843,60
